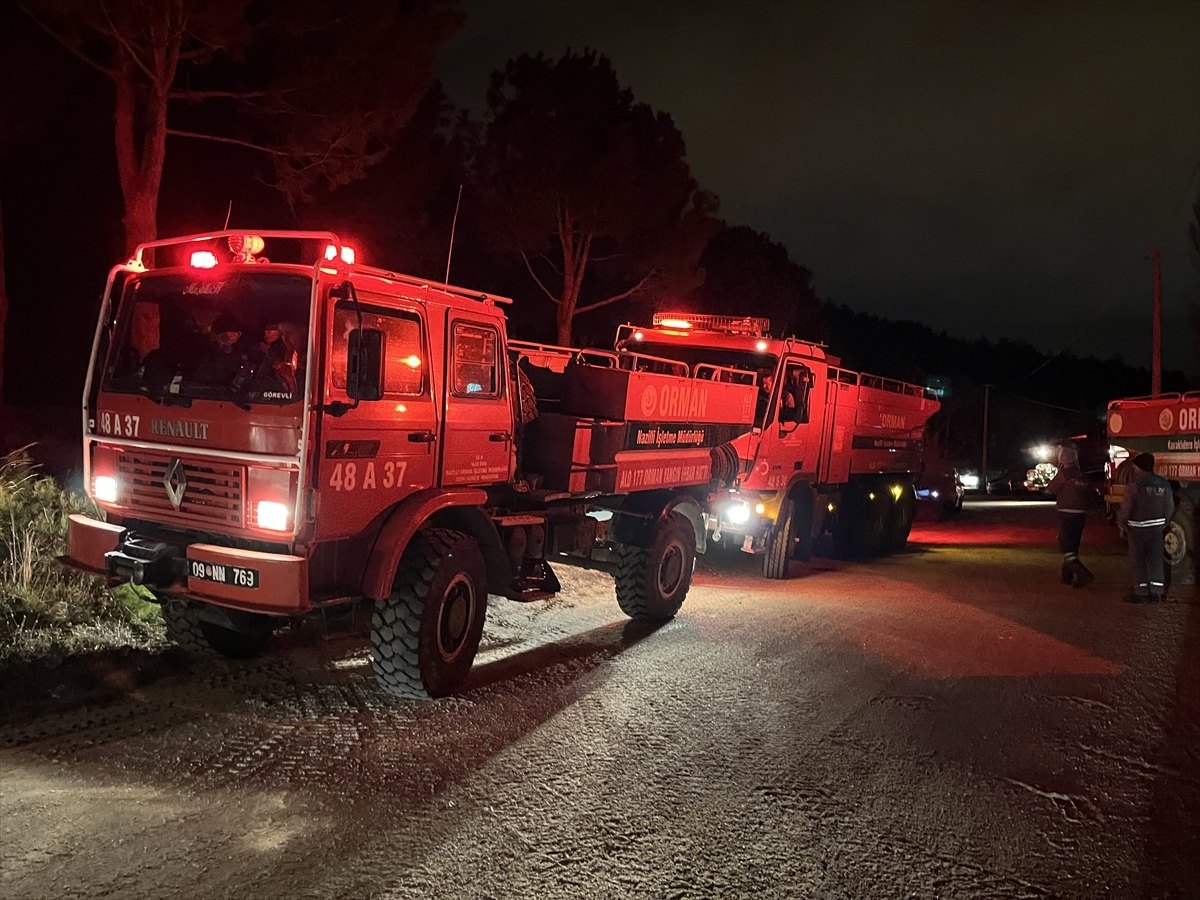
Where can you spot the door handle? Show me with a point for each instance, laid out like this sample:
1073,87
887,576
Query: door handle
499,436
421,437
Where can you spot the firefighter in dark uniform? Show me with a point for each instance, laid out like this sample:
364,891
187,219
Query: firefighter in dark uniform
1146,507
1072,495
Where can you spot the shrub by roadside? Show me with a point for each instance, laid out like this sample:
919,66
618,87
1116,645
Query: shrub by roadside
45,609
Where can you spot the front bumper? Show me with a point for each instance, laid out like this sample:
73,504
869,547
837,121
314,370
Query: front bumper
115,553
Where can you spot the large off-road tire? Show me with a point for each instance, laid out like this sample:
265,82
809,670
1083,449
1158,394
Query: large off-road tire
183,626
652,582
425,633
1179,544
781,542
202,638
900,519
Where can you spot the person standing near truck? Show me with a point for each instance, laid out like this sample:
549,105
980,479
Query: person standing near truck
1072,495
1146,508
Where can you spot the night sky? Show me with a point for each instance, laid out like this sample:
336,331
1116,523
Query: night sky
994,170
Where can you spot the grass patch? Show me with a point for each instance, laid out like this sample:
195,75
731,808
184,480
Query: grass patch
44,608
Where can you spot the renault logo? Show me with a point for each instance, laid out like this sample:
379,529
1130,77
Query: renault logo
175,481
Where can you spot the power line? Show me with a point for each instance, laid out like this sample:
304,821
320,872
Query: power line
1074,338
1069,409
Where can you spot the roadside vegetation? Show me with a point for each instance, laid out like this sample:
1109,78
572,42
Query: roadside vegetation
45,609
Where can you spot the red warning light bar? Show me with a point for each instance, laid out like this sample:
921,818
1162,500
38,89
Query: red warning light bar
727,324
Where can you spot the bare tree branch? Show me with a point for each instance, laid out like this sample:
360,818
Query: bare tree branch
224,140
77,53
533,275
548,261
115,34
186,94
621,296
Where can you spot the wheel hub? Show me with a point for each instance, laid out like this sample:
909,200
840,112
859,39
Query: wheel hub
1174,544
454,618
670,569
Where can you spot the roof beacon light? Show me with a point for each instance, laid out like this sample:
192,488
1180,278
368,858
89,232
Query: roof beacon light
204,259
751,325
245,247
346,254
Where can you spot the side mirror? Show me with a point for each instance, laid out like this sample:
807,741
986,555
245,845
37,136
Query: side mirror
364,368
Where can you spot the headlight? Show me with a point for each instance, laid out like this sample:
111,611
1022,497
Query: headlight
271,515
272,497
737,513
104,488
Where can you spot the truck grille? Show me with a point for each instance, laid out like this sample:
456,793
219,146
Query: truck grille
213,493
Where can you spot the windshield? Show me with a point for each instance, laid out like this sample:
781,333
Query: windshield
240,337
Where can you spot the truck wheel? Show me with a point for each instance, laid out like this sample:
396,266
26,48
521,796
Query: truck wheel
877,515
1179,545
651,583
201,638
183,626
425,633
781,542
900,520
861,522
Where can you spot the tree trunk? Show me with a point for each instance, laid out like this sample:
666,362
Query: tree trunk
141,172
575,252
3,312
565,314
141,215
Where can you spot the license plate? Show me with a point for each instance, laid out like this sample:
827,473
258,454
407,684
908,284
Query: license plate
234,576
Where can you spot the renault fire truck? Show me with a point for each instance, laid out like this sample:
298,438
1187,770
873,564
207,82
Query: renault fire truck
1169,427
278,437
831,450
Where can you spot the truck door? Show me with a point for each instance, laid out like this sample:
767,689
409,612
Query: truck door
383,446
477,445
792,432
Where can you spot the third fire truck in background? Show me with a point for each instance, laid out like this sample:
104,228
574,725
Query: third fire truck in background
1169,427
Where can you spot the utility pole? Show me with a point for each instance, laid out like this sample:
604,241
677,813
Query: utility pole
984,469
1156,326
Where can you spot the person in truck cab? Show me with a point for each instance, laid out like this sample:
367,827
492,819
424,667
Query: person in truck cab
766,382
225,357
276,366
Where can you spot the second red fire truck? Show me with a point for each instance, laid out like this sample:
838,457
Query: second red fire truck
832,450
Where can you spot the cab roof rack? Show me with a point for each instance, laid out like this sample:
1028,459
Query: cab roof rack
326,240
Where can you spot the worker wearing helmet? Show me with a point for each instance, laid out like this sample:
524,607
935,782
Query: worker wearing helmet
1072,495
1146,507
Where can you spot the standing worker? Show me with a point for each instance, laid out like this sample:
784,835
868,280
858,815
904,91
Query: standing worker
1072,495
1146,508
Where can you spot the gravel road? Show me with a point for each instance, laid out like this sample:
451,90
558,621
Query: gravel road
950,722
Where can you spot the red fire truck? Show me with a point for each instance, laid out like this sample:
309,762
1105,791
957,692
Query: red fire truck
277,439
831,450
1169,427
